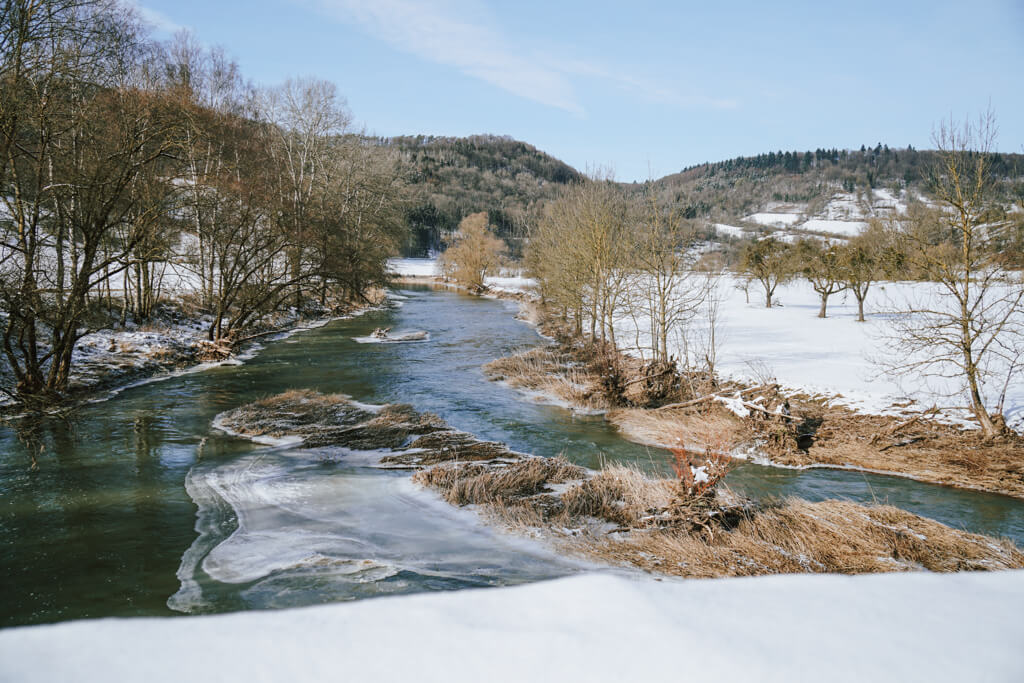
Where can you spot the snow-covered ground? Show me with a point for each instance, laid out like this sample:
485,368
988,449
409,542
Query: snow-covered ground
731,230
594,627
844,214
847,228
832,356
774,219
414,267
508,281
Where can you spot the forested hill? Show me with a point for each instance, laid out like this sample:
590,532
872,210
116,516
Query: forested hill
729,190
454,177
511,180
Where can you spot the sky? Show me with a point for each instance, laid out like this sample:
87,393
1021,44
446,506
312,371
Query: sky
642,88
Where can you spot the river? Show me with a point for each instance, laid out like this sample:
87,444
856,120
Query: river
138,507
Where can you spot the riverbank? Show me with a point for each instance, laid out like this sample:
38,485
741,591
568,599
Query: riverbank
620,515
173,342
765,422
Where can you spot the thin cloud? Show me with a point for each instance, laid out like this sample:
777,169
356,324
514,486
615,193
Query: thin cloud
430,32
439,31
157,19
646,88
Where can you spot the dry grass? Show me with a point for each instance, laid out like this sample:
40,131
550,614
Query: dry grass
927,450
330,420
711,427
621,495
656,528
298,412
550,372
797,536
477,484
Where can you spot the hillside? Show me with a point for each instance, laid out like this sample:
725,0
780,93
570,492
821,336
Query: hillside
454,177
826,192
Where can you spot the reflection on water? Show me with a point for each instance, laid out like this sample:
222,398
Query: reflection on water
105,524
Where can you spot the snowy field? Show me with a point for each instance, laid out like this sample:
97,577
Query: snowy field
845,228
510,282
779,220
832,356
593,627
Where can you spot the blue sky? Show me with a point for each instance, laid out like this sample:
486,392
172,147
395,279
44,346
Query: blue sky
645,88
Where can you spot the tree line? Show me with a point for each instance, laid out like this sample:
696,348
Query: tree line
129,165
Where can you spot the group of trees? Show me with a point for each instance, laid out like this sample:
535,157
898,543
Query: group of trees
830,268
967,322
600,254
123,161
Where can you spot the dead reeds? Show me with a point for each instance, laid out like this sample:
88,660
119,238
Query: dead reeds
551,372
623,516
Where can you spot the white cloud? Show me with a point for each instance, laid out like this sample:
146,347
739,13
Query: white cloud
155,18
438,34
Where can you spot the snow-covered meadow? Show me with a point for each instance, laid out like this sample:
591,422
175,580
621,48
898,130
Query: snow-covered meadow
593,627
835,356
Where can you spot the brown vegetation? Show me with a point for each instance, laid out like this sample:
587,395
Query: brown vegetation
551,371
658,527
687,526
789,429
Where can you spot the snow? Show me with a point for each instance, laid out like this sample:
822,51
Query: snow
730,230
776,219
413,267
832,356
596,627
514,284
848,228
510,281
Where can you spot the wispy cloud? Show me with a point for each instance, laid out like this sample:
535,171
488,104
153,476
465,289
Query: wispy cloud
435,33
157,19
647,88
442,32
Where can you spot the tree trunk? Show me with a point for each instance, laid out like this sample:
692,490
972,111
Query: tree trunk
824,305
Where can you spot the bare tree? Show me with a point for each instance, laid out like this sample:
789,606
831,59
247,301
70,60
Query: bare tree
305,115
863,263
770,262
580,251
85,158
821,264
664,287
971,327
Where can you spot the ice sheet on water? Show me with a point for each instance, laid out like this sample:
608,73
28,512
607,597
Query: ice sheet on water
310,527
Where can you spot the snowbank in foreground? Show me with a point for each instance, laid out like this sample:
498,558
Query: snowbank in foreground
898,627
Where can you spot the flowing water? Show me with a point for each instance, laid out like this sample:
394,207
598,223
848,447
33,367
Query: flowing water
138,507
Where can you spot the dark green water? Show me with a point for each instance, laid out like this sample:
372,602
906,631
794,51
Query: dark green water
106,524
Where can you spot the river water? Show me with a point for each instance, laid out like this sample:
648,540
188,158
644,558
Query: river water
139,507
